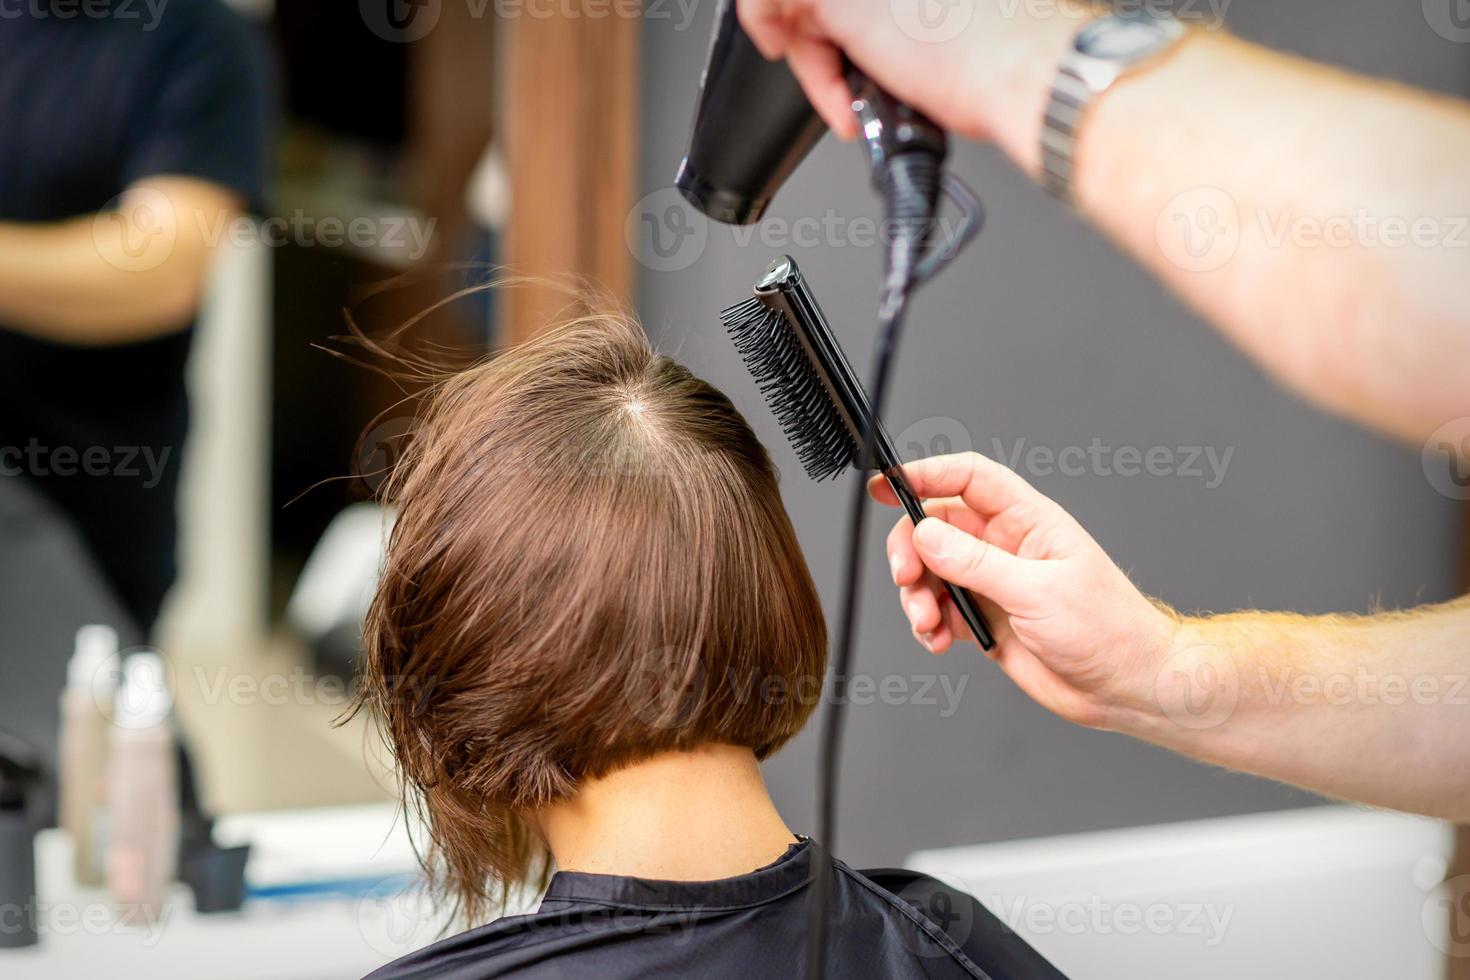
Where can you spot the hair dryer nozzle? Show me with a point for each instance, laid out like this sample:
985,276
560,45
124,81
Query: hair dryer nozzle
753,126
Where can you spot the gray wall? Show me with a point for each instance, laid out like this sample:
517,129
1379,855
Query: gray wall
1042,332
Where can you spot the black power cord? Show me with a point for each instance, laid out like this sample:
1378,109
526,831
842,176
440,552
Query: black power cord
911,183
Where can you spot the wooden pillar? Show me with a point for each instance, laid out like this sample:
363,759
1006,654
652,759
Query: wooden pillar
571,142
452,99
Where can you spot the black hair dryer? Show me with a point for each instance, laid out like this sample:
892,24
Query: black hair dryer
753,127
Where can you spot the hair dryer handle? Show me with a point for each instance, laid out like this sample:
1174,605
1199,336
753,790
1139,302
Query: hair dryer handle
890,127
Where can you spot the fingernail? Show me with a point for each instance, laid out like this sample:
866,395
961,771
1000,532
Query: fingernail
938,538
896,564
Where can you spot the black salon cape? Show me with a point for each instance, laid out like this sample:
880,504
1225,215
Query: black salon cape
604,927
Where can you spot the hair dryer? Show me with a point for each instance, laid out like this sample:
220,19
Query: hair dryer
754,126
751,129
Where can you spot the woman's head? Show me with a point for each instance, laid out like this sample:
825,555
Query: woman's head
590,565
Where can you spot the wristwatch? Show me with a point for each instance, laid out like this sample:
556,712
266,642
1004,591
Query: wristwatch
1103,51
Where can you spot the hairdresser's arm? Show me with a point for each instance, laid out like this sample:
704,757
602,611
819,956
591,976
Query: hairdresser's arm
120,276
1369,708
1245,155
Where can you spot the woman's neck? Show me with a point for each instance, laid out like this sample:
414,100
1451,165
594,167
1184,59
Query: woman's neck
678,816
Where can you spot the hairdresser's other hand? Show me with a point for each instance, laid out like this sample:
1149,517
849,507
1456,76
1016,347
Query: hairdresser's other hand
1071,630
980,68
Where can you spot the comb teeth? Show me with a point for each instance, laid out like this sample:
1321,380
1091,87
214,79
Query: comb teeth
793,387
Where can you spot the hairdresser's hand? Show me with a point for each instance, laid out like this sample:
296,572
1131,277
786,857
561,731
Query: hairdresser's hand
1071,630
980,68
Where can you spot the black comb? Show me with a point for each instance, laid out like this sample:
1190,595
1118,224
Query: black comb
814,393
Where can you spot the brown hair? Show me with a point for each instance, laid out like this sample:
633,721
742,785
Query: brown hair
590,564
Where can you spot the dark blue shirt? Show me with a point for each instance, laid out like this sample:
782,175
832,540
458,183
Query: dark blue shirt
94,97
752,927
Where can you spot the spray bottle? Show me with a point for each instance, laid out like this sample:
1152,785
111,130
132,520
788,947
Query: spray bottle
143,788
91,683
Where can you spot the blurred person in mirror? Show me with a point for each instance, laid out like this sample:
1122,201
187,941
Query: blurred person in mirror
593,623
133,136
1189,147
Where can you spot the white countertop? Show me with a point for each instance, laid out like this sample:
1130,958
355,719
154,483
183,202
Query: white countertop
324,936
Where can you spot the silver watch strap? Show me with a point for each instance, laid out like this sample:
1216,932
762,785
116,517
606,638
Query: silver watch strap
1070,95
1079,81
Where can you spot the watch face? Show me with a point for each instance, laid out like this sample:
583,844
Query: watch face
1121,38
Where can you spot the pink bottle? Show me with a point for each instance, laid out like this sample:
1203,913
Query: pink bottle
143,791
